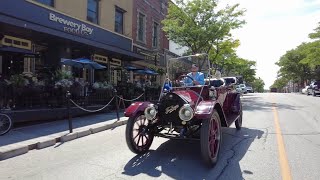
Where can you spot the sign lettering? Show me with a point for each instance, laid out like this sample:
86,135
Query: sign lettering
70,26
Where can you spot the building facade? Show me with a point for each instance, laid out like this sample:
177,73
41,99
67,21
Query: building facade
35,34
148,38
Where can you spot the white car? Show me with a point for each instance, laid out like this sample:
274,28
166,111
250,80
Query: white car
305,90
243,88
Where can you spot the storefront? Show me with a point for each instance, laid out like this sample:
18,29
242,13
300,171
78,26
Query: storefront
34,38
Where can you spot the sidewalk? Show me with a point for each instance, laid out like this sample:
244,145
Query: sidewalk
20,140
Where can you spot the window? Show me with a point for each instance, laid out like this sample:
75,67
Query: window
46,2
92,11
118,24
141,27
155,35
29,65
16,42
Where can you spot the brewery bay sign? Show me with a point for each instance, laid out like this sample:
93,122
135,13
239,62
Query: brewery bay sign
70,26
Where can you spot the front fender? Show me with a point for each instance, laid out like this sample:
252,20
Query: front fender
205,109
136,107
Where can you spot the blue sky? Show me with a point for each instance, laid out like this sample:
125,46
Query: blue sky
273,27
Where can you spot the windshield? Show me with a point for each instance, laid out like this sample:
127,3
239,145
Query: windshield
182,66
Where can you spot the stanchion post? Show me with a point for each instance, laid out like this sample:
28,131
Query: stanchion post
117,105
68,95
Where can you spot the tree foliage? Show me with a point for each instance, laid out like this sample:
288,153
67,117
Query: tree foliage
280,83
199,24
301,64
258,85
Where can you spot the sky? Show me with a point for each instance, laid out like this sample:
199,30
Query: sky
274,27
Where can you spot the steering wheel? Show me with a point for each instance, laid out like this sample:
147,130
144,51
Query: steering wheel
183,76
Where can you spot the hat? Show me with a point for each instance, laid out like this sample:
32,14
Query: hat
194,66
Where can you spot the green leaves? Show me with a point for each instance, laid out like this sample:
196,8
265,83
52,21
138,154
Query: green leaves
204,28
301,64
198,24
258,85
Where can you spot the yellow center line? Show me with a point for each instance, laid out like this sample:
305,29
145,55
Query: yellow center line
285,169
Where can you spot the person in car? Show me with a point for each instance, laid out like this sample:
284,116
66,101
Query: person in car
198,77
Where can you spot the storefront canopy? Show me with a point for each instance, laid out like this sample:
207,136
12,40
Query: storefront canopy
16,50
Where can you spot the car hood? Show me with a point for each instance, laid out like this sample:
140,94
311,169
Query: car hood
188,95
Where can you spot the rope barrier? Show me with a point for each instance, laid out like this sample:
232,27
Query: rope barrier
87,110
129,100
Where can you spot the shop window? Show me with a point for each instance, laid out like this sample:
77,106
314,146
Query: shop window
92,11
9,41
46,2
99,58
16,42
155,35
115,75
118,24
115,62
29,65
141,27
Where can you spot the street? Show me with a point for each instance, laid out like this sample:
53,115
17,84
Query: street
253,153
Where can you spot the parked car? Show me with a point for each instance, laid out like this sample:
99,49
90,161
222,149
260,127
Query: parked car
185,112
314,88
249,89
238,89
305,90
243,88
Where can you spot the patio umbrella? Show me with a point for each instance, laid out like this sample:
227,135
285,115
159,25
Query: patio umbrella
146,71
82,63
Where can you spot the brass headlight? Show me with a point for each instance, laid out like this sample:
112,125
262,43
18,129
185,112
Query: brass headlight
186,112
150,112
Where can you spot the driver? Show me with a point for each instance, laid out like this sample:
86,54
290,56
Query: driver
198,77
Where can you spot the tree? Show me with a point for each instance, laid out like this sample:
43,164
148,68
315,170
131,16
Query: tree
258,85
292,66
199,24
280,83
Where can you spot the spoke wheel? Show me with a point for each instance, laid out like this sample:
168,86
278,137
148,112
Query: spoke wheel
5,124
210,139
138,135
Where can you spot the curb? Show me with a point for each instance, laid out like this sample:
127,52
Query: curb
16,150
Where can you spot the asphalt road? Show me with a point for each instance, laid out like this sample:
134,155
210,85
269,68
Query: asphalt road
279,140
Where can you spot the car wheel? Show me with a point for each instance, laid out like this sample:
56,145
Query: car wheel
138,136
238,122
210,139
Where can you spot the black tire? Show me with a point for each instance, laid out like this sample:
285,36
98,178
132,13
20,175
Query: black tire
5,124
210,156
238,122
142,133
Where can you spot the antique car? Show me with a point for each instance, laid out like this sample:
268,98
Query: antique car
186,112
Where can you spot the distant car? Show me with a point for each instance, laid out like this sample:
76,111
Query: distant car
238,89
243,88
314,88
250,89
305,90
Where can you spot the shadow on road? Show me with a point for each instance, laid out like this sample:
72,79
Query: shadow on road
252,102
181,159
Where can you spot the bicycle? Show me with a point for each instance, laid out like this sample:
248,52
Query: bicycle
5,123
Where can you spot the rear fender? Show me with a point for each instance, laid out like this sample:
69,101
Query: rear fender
205,109
136,107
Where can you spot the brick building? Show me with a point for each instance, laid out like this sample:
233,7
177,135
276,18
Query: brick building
148,38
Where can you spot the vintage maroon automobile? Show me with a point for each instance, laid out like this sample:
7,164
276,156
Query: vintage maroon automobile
184,112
